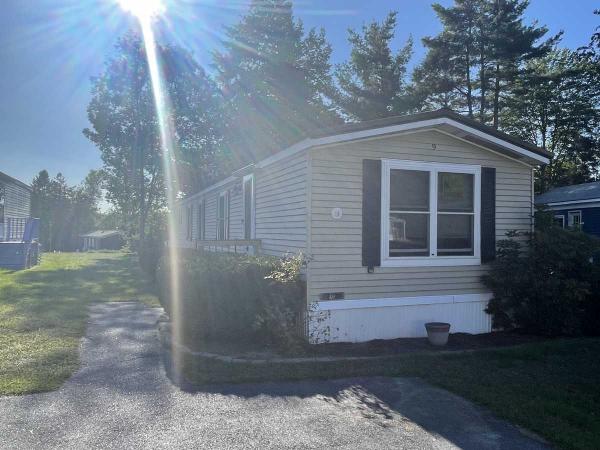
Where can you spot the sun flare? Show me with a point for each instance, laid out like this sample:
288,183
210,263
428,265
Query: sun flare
143,9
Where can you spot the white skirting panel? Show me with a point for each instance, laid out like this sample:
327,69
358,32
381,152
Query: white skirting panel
389,318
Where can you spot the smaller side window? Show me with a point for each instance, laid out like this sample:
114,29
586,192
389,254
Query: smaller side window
190,223
2,200
249,206
200,230
223,216
575,219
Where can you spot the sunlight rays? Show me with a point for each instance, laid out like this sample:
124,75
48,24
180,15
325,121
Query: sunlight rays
197,27
146,11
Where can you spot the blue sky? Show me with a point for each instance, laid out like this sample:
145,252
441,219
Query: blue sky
49,49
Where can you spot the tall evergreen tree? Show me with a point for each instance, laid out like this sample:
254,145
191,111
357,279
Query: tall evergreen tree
512,44
41,206
555,103
276,80
372,83
472,64
447,77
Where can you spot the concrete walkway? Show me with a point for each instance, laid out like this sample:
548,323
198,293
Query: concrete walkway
121,398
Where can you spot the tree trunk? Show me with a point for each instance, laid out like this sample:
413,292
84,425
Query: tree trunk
497,96
469,87
482,82
139,156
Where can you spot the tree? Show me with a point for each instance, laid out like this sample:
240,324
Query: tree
41,206
84,203
555,104
446,77
511,45
65,211
372,83
471,65
277,81
125,128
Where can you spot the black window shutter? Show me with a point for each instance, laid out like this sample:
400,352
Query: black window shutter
371,214
488,214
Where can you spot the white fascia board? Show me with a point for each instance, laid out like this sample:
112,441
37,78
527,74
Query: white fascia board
496,141
332,305
213,187
356,135
574,202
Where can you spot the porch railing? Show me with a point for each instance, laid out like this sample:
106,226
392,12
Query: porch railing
243,246
19,229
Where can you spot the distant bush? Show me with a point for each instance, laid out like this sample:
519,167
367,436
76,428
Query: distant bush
233,298
546,282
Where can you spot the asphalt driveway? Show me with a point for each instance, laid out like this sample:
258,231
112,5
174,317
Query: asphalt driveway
121,398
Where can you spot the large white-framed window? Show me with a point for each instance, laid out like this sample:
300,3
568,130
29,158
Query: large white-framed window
223,216
249,206
430,214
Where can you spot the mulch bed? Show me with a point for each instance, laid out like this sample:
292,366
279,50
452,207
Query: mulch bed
456,341
378,347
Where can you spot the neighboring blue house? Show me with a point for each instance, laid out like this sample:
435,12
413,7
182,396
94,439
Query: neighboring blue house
575,206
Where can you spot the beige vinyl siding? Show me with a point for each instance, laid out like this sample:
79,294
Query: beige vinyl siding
336,245
281,200
210,221
280,208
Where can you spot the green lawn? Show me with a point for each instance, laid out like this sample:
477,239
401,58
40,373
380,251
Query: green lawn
551,388
43,313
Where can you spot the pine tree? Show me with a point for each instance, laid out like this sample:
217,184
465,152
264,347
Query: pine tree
447,76
372,83
276,81
555,103
511,45
471,65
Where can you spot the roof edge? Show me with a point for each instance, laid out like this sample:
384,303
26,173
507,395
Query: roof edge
391,125
8,178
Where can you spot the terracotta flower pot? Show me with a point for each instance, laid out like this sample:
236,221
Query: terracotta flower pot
437,332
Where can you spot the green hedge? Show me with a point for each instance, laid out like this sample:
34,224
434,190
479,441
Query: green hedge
547,283
235,298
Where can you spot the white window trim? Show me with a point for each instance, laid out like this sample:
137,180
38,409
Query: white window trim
252,206
575,212
434,259
562,218
226,211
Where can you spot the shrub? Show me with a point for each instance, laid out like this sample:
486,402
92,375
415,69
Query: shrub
234,298
545,282
149,253
282,308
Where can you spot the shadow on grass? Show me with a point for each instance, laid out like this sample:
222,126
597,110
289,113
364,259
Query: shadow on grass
44,311
58,298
